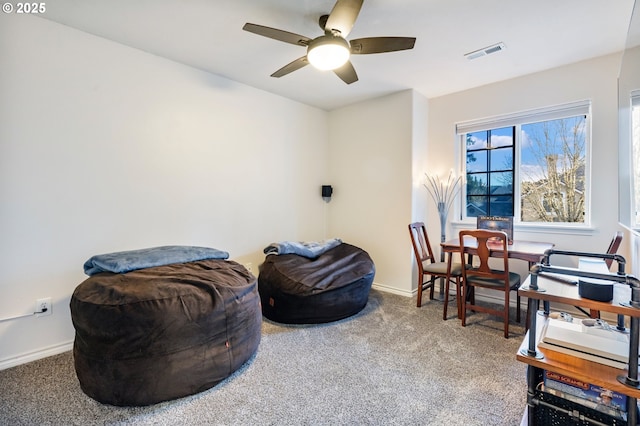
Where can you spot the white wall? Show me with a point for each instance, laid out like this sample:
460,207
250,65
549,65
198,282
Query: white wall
595,80
106,148
370,159
420,197
420,156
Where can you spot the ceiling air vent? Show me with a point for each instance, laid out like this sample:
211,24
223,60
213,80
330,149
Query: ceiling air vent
485,51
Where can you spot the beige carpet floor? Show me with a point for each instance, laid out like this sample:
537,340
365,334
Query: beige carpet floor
391,364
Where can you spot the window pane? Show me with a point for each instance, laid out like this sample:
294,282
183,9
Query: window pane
501,159
501,183
477,184
502,137
502,206
477,206
476,161
477,140
552,170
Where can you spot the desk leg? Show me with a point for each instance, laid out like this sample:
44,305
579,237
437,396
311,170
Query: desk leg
446,291
545,303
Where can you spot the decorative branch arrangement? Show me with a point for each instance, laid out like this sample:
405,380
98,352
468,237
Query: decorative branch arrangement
443,193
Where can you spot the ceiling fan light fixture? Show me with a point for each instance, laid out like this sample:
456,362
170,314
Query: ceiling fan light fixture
328,52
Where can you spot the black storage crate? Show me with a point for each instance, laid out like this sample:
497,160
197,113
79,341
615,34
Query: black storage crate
555,411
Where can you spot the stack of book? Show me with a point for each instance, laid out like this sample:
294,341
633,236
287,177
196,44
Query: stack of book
586,394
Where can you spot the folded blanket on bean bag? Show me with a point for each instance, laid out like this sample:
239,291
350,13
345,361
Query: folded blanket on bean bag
310,249
126,261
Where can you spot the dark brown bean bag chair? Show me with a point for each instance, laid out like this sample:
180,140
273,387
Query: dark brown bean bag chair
296,289
163,332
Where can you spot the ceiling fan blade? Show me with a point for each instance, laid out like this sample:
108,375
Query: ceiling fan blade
347,73
291,67
343,16
277,34
362,46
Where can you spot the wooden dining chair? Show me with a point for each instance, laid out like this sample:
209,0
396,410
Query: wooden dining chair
613,249
486,277
432,269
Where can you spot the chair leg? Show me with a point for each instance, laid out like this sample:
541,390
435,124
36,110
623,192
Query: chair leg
446,300
433,286
464,304
419,303
518,307
459,297
506,314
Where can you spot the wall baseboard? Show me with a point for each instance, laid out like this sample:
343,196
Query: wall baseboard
36,355
392,290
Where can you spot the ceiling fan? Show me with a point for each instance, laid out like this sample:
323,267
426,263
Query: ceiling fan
332,50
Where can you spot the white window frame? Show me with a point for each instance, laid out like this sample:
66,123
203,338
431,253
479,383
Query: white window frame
518,119
634,102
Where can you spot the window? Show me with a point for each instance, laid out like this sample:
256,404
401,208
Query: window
530,165
489,172
635,143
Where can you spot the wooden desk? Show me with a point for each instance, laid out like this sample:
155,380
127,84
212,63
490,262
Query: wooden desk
531,251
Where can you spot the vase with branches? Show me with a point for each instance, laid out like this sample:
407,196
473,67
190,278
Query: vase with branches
443,192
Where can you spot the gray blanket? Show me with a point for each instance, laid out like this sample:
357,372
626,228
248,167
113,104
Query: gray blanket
310,249
126,261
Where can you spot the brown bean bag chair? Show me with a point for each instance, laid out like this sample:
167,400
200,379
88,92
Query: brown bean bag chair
163,332
295,289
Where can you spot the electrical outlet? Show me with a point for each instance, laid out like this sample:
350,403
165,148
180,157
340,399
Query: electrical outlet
43,307
249,267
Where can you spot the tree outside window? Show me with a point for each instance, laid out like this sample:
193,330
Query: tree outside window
552,170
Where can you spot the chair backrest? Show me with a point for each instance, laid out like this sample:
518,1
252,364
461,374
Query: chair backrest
420,241
613,247
482,243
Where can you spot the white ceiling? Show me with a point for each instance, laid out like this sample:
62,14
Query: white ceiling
207,34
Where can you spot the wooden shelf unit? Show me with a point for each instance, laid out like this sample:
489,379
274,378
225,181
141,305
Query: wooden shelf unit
578,368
